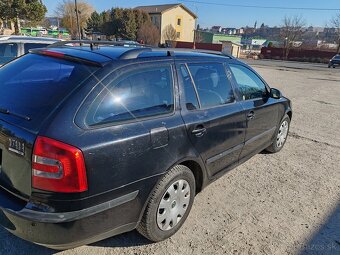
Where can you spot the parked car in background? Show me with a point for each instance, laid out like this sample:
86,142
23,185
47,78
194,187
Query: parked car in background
12,47
97,141
128,43
335,61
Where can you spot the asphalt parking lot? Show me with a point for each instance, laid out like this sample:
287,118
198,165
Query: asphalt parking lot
287,203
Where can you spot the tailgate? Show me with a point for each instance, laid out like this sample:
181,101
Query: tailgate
15,159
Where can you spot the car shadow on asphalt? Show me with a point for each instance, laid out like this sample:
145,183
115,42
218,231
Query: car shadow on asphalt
129,239
326,240
10,244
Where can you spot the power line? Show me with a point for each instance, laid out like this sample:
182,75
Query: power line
263,7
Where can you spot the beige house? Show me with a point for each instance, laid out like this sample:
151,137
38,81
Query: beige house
178,16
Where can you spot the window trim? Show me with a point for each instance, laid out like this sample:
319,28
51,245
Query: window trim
194,86
193,82
237,85
85,113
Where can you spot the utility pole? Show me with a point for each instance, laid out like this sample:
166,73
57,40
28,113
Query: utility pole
78,23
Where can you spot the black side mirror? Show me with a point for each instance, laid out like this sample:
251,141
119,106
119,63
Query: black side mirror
275,93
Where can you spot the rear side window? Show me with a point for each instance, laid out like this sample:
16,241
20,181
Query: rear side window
140,93
8,51
34,85
212,84
29,46
249,84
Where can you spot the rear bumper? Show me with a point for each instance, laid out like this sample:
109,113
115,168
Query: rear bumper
72,229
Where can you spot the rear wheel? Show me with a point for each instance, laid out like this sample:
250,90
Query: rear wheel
280,135
169,204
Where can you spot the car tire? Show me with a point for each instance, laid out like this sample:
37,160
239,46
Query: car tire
281,135
167,210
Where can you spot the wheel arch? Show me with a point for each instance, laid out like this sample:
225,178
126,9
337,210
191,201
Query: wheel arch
198,172
197,167
289,113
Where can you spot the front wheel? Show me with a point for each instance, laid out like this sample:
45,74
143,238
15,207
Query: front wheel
280,136
169,204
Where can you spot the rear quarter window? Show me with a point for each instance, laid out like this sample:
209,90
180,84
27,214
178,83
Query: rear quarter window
139,93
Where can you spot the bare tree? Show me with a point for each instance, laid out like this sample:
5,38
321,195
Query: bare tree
291,30
66,12
169,33
149,34
336,23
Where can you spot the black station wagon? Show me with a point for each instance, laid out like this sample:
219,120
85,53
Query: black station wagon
97,140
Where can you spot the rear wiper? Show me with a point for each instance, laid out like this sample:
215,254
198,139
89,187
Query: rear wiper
8,112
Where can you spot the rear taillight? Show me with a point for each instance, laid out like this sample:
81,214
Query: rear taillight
58,167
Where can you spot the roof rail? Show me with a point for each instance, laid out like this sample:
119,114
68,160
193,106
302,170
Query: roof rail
173,50
134,53
93,43
136,49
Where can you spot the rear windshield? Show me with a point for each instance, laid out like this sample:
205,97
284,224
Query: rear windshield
34,85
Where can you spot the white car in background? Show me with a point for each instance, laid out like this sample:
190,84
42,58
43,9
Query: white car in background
12,47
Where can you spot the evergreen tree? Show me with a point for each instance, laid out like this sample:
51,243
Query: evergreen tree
16,10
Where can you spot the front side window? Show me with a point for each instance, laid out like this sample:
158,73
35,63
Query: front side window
249,84
178,35
179,21
212,84
143,92
8,51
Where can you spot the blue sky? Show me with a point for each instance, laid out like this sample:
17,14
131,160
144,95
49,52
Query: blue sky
210,14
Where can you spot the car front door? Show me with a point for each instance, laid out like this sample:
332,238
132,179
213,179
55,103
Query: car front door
259,108
213,118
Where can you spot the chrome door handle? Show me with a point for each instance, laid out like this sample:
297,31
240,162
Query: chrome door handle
251,115
199,131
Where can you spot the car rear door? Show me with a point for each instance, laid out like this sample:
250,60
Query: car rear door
259,108
213,118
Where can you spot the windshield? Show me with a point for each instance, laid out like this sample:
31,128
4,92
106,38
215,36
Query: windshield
34,85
